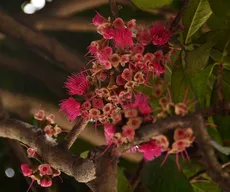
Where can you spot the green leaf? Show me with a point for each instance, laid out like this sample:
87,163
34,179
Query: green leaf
151,4
220,8
122,181
84,154
205,187
166,178
217,55
197,59
179,83
195,16
223,122
199,85
216,23
220,148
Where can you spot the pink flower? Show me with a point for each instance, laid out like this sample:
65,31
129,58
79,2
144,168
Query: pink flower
45,169
158,68
109,131
40,115
104,53
77,84
108,33
151,150
31,152
159,34
141,101
129,133
50,118
49,130
118,23
46,182
98,19
98,103
120,81
71,108
144,36
127,74
131,24
26,171
123,38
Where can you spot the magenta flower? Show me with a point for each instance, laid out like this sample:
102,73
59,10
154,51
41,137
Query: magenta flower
98,103
46,182
144,37
109,131
123,38
45,169
26,171
158,69
151,150
141,102
77,84
98,19
71,108
160,35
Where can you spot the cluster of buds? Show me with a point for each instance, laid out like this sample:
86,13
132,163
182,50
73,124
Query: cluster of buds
109,93
47,122
43,174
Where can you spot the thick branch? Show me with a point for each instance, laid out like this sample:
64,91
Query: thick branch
82,170
49,47
213,167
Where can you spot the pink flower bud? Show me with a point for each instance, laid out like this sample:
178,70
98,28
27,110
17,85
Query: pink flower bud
50,118
98,19
46,182
26,171
40,115
31,152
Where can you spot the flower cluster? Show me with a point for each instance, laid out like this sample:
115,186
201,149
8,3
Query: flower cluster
43,173
124,87
47,122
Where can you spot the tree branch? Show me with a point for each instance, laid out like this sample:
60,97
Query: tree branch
25,106
82,170
48,47
74,133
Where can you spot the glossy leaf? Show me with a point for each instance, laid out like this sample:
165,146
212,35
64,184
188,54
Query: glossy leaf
195,16
166,178
197,59
179,83
151,4
199,84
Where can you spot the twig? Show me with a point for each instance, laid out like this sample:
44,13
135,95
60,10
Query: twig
176,21
199,174
74,133
113,8
136,178
48,47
